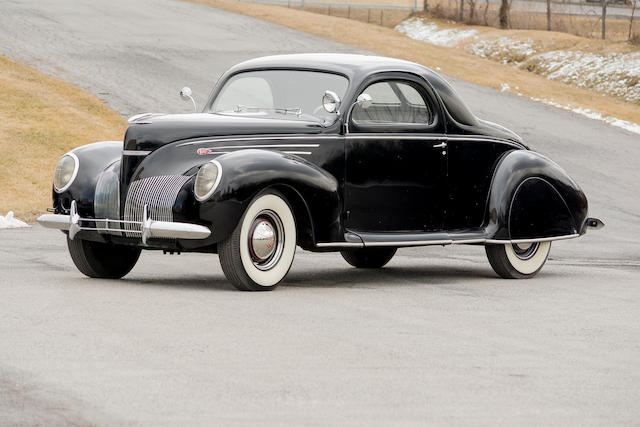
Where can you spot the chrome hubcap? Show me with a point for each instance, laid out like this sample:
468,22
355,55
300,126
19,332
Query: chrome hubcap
263,239
266,240
525,251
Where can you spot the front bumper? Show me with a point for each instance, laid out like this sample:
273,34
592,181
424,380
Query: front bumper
148,228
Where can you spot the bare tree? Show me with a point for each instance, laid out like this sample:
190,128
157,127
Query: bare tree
633,11
425,5
486,9
461,11
472,10
548,15
505,5
604,18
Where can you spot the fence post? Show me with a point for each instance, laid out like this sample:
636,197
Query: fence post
604,18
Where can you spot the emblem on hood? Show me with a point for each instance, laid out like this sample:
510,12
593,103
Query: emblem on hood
203,151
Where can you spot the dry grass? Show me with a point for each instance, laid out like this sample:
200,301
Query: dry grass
451,61
378,16
41,118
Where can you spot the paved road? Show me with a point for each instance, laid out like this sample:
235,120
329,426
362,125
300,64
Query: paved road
433,337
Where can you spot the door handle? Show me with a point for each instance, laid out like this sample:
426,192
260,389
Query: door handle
441,145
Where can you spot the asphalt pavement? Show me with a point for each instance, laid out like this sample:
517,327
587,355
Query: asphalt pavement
433,338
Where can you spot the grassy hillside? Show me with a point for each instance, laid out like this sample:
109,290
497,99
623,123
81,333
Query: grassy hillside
41,118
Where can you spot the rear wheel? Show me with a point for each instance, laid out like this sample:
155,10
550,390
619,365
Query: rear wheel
259,252
518,260
368,257
102,260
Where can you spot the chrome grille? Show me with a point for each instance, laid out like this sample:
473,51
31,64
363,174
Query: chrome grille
106,203
158,193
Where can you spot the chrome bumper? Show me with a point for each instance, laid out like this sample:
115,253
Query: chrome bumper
148,227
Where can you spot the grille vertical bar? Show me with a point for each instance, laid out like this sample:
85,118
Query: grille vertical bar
158,193
106,203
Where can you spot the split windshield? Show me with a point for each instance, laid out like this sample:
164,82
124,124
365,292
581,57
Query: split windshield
283,94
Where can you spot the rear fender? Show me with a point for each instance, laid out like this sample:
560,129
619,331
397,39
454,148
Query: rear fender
532,197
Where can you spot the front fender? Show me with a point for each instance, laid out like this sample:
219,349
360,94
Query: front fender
247,172
532,197
92,159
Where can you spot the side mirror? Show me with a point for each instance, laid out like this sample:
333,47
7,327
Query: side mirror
330,102
364,100
185,94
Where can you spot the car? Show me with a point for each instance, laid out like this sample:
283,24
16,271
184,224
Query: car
329,152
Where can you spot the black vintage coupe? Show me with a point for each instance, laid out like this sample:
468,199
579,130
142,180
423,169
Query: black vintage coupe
329,152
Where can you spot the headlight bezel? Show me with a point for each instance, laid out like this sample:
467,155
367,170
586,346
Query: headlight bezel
212,189
74,173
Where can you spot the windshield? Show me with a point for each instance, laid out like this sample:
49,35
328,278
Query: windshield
283,94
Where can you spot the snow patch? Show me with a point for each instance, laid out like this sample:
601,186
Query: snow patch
9,221
503,49
504,87
615,74
417,29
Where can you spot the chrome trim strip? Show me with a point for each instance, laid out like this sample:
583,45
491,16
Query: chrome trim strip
467,241
472,138
425,137
339,245
266,146
542,239
409,243
444,242
135,153
307,153
263,138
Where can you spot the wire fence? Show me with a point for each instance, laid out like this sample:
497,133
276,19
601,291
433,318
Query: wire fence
408,5
616,8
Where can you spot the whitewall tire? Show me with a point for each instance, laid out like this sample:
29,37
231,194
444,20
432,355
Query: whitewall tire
260,251
518,261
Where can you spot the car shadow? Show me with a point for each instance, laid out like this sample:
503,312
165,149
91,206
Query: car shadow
344,277
388,276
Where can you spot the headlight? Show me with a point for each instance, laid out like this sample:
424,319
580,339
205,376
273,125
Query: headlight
207,180
65,172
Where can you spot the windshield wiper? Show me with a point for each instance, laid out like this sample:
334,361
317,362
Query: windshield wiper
249,109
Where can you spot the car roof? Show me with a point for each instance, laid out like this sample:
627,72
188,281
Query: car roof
351,65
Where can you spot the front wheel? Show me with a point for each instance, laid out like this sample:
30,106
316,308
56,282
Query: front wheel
518,260
259,252
102,260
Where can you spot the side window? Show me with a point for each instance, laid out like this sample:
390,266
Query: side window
394,103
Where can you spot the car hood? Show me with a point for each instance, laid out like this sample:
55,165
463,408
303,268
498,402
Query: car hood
150,131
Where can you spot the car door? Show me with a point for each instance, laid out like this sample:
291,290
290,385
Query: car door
396,162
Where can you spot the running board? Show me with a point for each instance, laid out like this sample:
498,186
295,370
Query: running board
398,240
